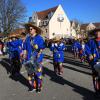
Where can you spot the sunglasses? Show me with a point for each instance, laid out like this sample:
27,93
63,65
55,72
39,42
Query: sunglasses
31,29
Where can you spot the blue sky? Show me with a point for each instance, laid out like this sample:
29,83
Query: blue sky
83,10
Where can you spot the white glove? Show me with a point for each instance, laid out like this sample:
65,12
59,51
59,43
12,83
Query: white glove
56,44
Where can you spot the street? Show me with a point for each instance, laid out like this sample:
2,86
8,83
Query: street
74,84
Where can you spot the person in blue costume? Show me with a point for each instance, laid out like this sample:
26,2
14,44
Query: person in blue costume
92,54
36,44
58,47
14,51
82,51
97,39
87,51
23,47
76,47
93,48
9,47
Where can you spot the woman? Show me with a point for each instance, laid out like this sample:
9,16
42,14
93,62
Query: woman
58,48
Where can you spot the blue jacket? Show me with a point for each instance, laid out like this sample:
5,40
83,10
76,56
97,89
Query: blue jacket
14,50
27,47
93,48
38,44
76,46
98,47
33,46
58,52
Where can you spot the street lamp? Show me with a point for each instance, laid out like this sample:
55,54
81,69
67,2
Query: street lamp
60,19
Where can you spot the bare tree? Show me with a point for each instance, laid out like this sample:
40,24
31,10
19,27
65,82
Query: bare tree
11,13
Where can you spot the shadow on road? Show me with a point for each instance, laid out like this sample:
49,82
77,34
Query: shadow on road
70,60
78,70
5,62
20,78
75,69
85,93
77,63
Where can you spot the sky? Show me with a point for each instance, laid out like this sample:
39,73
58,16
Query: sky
85,11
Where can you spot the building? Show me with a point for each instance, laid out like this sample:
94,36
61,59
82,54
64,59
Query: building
89,26
54,22
75,29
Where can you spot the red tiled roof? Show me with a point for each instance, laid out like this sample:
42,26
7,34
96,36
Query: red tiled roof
83,26
97,25
43,14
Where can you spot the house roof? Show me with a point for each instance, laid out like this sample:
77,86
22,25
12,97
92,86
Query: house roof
43,14
83,26
97,25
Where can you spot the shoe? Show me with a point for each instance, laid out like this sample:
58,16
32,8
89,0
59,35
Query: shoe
38,90
32,90
60,73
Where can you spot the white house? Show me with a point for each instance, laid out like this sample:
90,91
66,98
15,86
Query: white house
91,26
54,22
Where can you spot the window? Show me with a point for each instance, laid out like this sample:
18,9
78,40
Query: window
46,30
53,34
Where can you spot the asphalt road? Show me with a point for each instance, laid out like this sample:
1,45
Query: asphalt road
74,84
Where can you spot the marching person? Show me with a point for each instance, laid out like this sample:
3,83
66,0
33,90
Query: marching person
75,48
92,54
82,51
34,47
23,47
58,47
95,47
14,55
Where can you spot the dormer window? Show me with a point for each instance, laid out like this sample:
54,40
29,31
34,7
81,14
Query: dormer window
50,14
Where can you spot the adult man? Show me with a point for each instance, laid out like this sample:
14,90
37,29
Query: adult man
34,48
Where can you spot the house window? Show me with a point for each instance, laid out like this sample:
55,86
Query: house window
46,30
50,14
39,23
53,34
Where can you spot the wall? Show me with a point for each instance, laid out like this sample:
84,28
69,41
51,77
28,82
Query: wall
59,28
